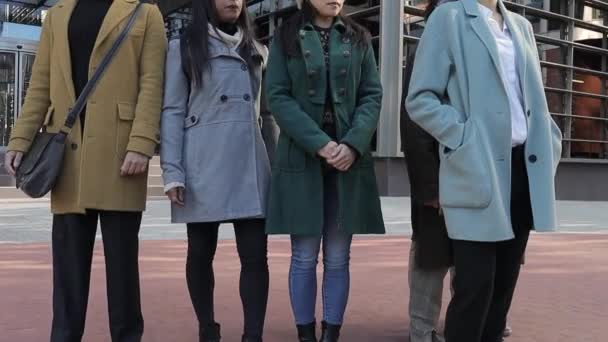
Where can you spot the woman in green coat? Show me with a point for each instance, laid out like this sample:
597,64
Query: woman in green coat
324,90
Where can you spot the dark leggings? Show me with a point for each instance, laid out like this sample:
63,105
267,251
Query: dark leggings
251,244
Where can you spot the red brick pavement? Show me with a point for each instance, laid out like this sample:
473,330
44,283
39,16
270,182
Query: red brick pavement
562,295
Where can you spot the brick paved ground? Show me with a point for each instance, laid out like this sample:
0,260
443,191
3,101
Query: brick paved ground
562,295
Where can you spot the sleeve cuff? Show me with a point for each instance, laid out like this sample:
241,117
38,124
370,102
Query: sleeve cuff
19,145
174,185
143,146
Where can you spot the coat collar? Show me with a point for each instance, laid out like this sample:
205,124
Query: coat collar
119,10
471,7
337,25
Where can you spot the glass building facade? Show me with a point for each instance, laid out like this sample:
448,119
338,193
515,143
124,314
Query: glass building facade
19,31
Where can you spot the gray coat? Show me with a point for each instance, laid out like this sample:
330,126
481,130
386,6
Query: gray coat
211,140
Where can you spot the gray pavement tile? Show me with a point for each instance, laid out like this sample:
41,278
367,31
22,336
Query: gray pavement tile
30,221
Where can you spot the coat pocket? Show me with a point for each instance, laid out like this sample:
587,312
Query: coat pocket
48,117
464,178
289,156
126,115
556,142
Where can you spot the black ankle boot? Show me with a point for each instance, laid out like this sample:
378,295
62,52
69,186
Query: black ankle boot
210,333
308,332
251,339
330,332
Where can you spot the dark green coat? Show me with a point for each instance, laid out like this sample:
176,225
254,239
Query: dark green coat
296,94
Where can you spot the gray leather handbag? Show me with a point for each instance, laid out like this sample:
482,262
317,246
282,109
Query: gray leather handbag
41,166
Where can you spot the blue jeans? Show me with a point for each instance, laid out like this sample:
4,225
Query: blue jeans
336,261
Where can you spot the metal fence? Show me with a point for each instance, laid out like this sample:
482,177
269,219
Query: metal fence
22,12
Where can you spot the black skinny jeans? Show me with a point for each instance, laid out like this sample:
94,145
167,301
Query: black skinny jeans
251,243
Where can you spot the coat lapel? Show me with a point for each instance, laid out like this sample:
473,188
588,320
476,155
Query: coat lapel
480,26
119,10
64,12
519,43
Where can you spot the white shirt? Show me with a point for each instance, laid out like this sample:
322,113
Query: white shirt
510,77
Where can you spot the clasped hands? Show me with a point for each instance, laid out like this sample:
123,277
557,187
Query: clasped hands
339,156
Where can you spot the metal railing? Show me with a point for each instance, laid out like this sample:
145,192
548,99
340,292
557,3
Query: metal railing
579,107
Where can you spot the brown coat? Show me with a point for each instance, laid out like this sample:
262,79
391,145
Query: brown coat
123,113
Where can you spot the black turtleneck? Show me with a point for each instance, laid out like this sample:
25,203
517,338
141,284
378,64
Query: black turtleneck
228,28
84,26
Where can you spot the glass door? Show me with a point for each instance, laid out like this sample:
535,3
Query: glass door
27,61
8,85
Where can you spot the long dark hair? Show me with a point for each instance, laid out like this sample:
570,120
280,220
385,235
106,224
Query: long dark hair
195,39
430,8
289,31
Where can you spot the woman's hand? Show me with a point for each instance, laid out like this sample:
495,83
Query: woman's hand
176,196
328,150
12,160
343,158
134,164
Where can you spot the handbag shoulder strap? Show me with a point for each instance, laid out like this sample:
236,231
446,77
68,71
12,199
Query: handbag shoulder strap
92,83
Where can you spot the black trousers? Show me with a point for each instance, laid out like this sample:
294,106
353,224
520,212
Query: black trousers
487,272
72,242
252,246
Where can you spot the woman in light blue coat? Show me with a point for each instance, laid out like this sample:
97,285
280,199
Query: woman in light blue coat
499,150
215,165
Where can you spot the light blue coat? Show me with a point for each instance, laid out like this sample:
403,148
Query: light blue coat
458,57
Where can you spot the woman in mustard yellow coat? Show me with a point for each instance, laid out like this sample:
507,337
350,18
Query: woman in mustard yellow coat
107,152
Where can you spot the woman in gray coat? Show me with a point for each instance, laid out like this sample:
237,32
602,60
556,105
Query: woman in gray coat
214,161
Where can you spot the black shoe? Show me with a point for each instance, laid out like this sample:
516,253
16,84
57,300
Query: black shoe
251,339
308,332
330,332
210,333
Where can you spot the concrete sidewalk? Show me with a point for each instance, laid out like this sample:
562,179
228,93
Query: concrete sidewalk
30,221
562,295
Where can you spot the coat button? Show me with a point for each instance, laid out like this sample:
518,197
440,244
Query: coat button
532,158
192,119
307,53
244,67
528,112
343,71
311,92
342,91
224,98
312,73
345,40
346,53
74,147
247,97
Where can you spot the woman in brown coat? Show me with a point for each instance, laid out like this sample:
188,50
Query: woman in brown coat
104,171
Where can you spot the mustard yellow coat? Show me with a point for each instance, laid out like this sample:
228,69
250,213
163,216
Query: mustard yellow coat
123,113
